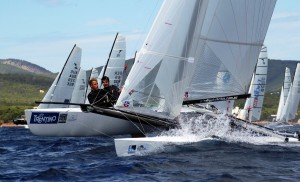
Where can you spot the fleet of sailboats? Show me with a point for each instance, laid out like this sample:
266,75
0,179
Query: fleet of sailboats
70,120
197,51
290,107
284,92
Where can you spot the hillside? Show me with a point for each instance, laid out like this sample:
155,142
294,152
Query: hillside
276,69
19,92
21,84
10,66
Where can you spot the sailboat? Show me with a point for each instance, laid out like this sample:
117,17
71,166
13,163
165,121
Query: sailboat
209,48
284,92
63,85
195,34
79,92
116,63
253,105
68,119
291,105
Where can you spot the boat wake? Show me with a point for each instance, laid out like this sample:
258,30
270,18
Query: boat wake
195,129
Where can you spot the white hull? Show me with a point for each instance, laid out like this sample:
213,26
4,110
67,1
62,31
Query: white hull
74,122
143,146
149,145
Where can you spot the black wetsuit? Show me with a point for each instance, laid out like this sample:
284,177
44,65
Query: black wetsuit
105,97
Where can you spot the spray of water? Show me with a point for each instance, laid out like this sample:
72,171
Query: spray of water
195,128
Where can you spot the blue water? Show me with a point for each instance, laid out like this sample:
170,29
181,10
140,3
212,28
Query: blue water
25,157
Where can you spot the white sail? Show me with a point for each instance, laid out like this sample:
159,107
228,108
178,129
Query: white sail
79,92
280,105
115,65
232,40
257,89
291,105
63,86
163,66
94,74
284,92
204,35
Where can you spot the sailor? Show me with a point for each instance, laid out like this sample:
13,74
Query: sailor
105,97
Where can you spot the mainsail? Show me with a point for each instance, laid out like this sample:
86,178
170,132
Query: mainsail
232,35
284,92
209,47
292,101
79,92
63,85
257,89
116,62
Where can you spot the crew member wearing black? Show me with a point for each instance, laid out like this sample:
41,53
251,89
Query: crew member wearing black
105,97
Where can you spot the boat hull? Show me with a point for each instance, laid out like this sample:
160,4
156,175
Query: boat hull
73,122
149,145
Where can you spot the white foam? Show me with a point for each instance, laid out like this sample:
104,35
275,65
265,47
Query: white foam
197,128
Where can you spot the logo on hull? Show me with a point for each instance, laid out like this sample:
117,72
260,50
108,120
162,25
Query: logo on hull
44,118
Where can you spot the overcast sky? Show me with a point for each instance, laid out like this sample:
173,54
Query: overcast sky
44,31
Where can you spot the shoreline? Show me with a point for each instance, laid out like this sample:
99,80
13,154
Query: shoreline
11,125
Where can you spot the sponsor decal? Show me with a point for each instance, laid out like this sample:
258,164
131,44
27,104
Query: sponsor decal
186,95
141,148
226,77
131,149
126,103
62,118
119,53
44,118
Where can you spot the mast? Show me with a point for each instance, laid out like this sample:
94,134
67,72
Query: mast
105,66
114,68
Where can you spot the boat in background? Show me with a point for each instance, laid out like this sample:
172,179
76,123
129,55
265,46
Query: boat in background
292,101
62,88
253,105
70,120
115,65
284,92
80,88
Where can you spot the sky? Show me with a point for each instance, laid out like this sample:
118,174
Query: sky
44,32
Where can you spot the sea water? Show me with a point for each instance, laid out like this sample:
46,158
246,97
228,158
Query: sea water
25,157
